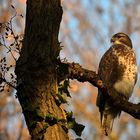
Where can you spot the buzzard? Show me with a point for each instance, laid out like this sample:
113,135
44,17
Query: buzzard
118,71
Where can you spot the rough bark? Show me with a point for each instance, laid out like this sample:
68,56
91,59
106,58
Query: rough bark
75,71
36,70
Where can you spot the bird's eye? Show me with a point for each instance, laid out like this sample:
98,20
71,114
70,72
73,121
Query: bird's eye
119,36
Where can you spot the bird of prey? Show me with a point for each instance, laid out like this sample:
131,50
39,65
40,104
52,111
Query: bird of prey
118,72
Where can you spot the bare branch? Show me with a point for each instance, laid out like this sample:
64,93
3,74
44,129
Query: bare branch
121,103
8,83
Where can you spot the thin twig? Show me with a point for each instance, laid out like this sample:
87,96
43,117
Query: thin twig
8,83
9,49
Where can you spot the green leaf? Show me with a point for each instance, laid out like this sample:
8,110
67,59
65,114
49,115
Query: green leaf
51,119
78,128
66,86
33,124
72,124
38,113
45,126
69,115
63,88
61,98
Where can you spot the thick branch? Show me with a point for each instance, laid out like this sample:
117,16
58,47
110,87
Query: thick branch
128,107
75,71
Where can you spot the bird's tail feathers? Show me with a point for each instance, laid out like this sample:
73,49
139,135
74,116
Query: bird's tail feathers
107,123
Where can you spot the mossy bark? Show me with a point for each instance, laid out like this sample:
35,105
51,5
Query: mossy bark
36,70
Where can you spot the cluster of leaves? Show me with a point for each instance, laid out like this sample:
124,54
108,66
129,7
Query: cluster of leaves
68,123
4,70
72,124
63,93
11,42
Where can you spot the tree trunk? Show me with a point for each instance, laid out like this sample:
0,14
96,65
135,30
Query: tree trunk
36,71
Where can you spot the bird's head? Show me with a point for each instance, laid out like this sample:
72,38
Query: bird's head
121,38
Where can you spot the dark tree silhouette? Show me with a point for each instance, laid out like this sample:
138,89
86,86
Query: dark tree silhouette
36,70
